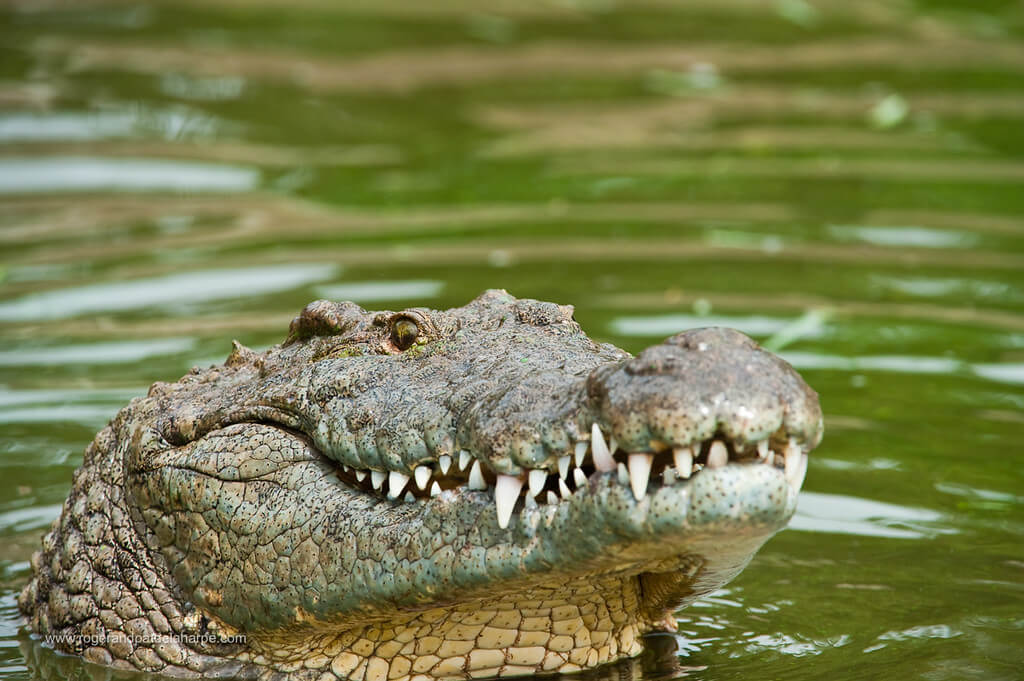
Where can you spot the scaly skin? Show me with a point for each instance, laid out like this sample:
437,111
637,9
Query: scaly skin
364,502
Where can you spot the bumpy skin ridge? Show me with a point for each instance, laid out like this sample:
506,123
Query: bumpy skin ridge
96,590
218,525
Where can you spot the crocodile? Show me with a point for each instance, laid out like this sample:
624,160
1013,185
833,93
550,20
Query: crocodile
424,494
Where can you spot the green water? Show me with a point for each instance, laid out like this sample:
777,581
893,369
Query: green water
843,181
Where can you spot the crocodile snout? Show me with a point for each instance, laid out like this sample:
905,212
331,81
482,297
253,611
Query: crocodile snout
702,383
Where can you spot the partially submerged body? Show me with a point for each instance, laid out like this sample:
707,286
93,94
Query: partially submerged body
475,492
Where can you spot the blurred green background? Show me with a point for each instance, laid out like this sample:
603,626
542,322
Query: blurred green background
843,181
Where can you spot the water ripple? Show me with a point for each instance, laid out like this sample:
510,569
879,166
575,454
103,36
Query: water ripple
359,291
185,288
84,174
113,352
837,513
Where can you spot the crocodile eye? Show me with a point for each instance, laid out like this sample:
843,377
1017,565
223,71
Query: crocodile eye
404,332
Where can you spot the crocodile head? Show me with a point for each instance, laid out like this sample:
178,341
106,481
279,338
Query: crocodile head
473,492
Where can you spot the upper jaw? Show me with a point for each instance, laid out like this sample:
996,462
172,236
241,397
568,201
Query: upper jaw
703,398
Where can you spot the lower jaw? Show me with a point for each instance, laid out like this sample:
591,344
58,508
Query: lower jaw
557,628
558,624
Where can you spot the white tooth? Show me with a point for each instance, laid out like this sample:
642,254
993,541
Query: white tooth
612,444
476,477
564,489
552,498
563,466
537,480
464,458
435,489
798,481
360,475
409,497
683,457
345,468
623,474
529,502
581,451
444,462
377,478
640,473
793,455
718,455
506,491
762,449
669,477
422,475
579,477
396,483
603,460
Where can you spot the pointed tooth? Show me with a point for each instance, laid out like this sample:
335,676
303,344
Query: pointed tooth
409,497
603,460
581,451
798,480
506,492
564,489
345,468
640,473
762,449
435,489
612,444
792,455
396,483
669,477
476,476
718,455
464,458
529,502
563,466
422,476
683,457
623,474
552,498
360,475
377,478
537,480
579,477
444,462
